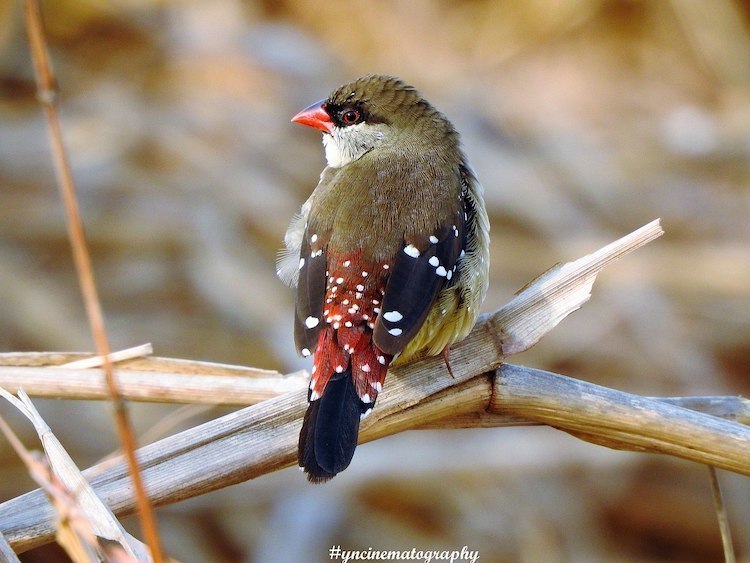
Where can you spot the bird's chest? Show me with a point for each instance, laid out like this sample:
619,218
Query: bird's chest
377,211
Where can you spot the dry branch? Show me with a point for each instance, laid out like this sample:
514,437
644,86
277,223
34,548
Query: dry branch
262,438
47,96
139,385
82,518
621,420
7,555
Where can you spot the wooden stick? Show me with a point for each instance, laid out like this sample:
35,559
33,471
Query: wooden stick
47,94
59,382
263,438
621,420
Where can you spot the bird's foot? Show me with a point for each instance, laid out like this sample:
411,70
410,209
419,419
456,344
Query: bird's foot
446,354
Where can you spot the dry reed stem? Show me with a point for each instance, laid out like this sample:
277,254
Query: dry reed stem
262,438
47,96
82,518
7,555
721,516
114,357
139,385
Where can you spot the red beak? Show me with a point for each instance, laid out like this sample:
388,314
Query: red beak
315,116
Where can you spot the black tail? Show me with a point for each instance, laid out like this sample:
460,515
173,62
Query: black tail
330,429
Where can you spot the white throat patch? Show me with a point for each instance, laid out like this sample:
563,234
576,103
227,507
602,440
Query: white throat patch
346,144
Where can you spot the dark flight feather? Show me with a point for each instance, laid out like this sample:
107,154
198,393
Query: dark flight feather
417,277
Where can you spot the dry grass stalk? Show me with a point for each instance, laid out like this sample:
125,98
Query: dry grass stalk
119,356
46,87
81,518
164,387
7,555
262,438
721,516
153,379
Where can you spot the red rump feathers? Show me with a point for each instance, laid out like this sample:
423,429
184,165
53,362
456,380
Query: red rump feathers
347,365
352,303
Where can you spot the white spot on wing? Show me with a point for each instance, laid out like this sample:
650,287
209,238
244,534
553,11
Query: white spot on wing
434,261
412,251
311,322
433,239
393,316
395,332
305,352
441,271
301,263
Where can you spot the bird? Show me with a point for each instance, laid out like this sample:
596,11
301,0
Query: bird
389,255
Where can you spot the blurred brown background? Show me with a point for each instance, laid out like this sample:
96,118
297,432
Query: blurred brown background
584,120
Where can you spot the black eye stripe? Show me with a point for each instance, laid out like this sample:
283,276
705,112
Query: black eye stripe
346,114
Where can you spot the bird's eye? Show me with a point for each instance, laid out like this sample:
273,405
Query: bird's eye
350,117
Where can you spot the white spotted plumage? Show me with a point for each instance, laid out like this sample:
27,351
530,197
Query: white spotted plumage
412,251
393,316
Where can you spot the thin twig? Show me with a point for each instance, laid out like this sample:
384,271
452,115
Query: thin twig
152,386
114,357
199,383
82,517
7,555
721,516
47,96
263,438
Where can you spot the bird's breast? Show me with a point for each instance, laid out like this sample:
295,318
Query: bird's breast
375,204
